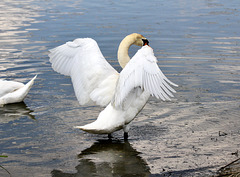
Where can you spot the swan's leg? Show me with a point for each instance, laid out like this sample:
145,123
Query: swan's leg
125,135
110,136
126,129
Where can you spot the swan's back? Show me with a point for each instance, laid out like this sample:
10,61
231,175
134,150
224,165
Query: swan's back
9,86
14,92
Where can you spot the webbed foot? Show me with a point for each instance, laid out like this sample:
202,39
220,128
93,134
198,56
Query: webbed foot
110,136
125,136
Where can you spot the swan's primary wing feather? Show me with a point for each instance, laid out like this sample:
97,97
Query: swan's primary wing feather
142,71
92,76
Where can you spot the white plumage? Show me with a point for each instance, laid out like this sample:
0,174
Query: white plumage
94,80
142,71
14,92
89,71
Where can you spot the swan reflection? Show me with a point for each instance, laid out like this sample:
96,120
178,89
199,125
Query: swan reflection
109,158
14,111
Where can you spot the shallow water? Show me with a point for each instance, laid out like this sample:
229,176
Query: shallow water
197,44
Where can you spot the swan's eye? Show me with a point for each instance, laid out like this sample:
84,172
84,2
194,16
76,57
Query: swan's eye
145,42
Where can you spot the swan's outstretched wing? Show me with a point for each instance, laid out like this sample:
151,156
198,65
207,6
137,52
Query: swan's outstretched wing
142,71
93,78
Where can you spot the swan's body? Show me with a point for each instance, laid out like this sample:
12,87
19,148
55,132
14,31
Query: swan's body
14,92
94,80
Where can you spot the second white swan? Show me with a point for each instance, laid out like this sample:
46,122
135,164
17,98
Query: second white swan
94,80
14,92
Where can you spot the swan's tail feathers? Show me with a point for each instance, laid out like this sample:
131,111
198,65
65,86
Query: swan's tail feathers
27,87
96,129
31,82
79,127
22,92
86,128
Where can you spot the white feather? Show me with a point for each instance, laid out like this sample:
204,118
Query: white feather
142,71
83,61
14,92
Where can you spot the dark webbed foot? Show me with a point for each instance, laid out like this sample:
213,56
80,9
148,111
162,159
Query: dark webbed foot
125,136
110,136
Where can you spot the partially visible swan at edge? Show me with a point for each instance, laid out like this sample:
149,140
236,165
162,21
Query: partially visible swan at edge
94,80
14,92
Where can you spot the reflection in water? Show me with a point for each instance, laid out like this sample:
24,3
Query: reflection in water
14,111
109,158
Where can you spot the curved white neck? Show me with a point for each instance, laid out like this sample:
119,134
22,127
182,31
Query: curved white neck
123,57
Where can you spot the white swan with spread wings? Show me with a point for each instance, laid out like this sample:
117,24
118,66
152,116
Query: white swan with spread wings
94,80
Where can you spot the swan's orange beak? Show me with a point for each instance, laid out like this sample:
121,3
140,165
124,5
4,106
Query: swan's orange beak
145,42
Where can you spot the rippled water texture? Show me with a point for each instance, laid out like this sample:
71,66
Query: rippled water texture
197,45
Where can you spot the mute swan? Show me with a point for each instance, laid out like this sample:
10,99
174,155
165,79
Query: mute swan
14,92
94,80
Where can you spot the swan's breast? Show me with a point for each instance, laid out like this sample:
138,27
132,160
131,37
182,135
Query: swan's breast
137,98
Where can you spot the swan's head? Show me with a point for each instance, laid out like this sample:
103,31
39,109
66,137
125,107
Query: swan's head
134,38
139,39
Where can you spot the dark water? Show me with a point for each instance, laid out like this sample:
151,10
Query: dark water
197,44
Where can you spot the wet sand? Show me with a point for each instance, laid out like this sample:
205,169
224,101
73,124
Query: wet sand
231,169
